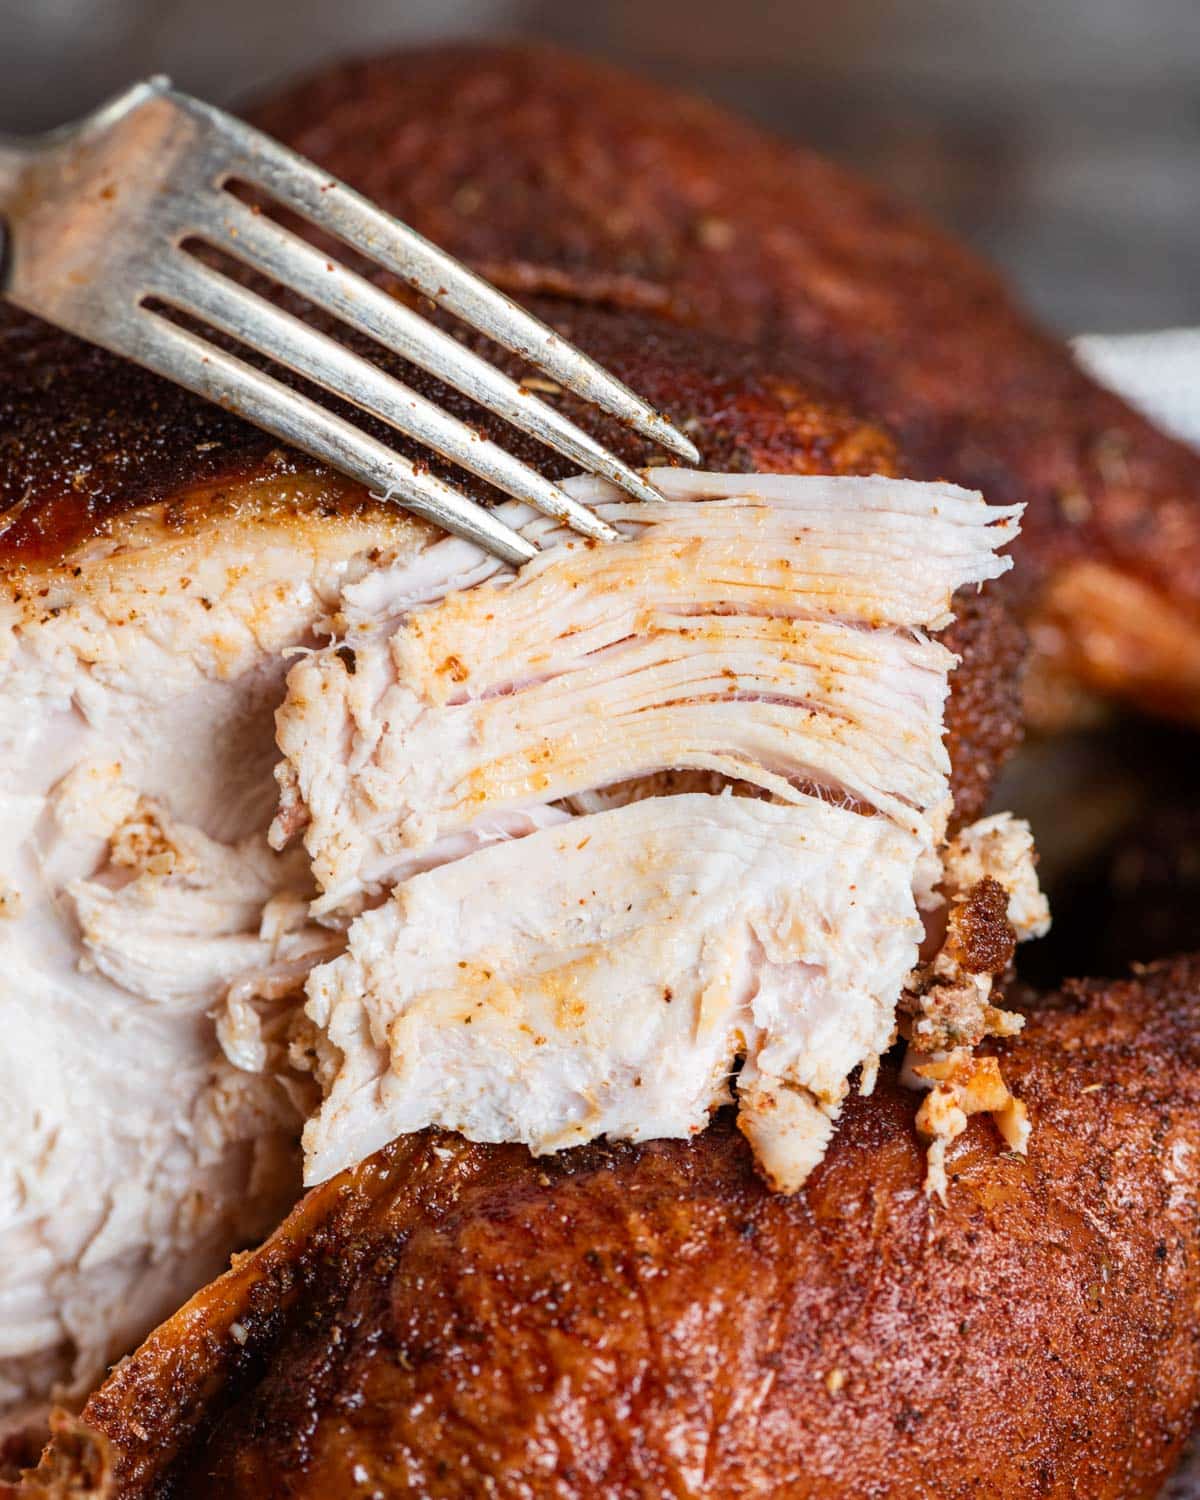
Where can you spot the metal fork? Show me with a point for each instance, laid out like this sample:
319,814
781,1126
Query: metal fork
97,215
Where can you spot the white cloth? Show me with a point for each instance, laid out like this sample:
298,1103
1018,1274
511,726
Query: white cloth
1158,373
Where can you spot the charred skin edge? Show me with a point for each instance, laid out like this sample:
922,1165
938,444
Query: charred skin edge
1036,1336
88,441
558,174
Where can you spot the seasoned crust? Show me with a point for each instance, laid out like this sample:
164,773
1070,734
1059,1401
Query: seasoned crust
86,437
983,933
983,713
640,1320
554,172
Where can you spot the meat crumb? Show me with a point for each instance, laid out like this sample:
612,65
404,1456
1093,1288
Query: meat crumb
992,901
962,1086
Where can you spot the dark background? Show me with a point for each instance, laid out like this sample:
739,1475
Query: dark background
1062,137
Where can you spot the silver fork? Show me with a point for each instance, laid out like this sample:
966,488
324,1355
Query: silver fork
97,214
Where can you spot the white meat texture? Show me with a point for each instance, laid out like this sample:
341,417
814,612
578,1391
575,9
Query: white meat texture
557,954
137,687
601,978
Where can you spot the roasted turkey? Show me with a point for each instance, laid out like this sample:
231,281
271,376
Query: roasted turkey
171,577
161,561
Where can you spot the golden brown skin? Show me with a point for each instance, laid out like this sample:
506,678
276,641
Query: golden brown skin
558,174
451,1320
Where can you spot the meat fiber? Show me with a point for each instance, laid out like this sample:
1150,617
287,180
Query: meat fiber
450,1320
764,636
550,967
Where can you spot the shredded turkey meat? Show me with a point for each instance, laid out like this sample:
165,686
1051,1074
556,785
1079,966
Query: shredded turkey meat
538,950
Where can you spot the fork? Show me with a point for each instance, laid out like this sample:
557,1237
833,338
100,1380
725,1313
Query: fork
99,215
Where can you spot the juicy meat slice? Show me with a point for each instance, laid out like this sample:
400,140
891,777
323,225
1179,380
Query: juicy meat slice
640,1320
557,174
604,973
602,979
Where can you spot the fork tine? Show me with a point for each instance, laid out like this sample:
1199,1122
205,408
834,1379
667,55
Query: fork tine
194,287
333,206
270,248
188,360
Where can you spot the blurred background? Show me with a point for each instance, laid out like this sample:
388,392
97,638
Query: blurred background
1061,137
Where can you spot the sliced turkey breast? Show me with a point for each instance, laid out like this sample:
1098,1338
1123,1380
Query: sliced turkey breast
550,967
604,978
769,643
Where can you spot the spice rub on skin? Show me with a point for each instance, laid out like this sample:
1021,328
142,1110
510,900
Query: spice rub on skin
450,1310
559,174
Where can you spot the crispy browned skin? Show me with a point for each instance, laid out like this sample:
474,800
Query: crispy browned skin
86,438
555,173
452,1320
